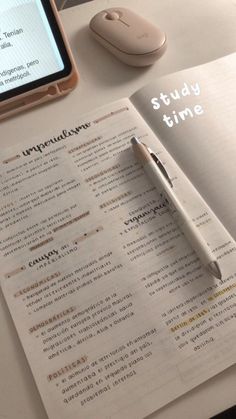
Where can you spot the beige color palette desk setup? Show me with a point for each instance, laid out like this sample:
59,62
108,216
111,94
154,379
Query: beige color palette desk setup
198,31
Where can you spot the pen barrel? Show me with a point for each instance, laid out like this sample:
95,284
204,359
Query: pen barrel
179,214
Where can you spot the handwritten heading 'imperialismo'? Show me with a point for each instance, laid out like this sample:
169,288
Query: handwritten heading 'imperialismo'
39,148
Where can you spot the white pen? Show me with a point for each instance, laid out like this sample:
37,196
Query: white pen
159,177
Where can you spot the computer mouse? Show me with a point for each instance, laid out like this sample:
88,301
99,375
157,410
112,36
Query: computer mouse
131,38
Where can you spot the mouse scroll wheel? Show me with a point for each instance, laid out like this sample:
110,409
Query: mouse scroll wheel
112,16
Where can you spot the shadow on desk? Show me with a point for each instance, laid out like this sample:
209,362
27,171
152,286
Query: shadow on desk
227,414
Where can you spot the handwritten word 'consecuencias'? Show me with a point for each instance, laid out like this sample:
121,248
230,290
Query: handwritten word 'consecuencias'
166,100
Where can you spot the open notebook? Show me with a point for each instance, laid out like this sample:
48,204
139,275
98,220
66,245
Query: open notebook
115,313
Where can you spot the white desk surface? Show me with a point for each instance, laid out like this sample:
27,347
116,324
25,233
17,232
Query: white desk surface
198,31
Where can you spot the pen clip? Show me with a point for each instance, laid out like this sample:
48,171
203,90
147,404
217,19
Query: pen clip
160,166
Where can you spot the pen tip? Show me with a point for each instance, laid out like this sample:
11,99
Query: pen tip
214,269
135,141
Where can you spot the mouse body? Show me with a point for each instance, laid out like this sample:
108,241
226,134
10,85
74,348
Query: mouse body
131,38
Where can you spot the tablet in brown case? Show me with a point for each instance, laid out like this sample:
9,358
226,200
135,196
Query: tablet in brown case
47,92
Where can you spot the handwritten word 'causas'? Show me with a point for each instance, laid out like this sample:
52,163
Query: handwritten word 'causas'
43,258
63,136
178,94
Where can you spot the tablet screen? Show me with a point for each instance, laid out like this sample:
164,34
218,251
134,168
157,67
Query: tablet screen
32,52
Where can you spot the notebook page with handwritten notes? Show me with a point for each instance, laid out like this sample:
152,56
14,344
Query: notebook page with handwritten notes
115,313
